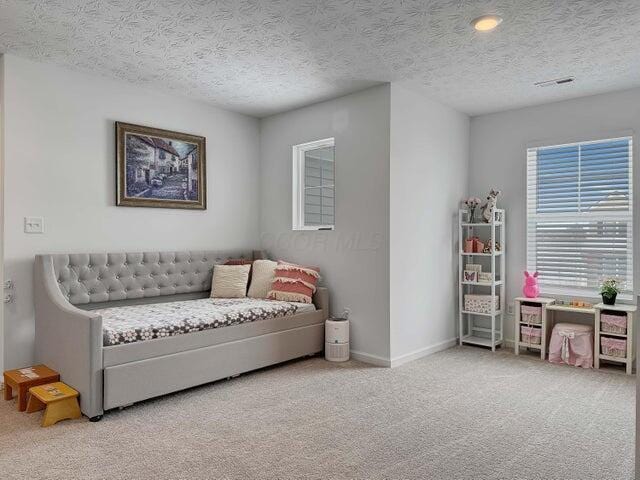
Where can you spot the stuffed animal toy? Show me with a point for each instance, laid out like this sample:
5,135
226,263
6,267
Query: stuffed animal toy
487,247
531,288
489,207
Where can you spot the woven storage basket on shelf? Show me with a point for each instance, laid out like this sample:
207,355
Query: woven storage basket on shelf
530,335
531,314
480,303
613,347
613,323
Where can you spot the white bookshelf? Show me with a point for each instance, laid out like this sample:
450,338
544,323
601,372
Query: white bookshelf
482,329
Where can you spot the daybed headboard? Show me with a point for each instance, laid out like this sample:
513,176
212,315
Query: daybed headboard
93,278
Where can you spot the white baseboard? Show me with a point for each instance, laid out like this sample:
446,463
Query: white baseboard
423,352
506,342
407,357
371,359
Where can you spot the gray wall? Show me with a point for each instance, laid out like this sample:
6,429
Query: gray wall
2,363
354,259
429,163
498,159
60,164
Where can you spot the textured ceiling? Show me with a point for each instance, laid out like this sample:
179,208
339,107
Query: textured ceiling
261,57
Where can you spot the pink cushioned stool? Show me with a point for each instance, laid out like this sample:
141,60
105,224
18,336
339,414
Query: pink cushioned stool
572,343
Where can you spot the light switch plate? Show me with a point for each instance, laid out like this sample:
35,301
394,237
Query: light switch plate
33,225
510,309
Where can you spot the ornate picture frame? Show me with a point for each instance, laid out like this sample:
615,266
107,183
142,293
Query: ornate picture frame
159,168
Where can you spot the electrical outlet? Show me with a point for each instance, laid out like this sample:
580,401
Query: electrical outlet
8,284
33,225
510,309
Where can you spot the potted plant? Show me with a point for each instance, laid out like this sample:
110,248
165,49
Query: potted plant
609,291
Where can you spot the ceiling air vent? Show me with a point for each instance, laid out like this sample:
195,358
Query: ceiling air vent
557,81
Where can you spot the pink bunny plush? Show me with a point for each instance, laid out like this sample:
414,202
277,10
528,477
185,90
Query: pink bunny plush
531,288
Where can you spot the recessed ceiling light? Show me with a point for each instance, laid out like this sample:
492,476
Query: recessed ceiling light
486,23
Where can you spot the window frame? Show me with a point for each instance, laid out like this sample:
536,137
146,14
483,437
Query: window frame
298,190
569,291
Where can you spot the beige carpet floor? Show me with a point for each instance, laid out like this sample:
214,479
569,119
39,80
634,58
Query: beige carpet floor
460,414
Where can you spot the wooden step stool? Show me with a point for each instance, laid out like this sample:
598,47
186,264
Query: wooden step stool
60,400
21,380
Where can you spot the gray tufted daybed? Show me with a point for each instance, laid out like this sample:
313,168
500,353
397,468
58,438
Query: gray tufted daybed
73,291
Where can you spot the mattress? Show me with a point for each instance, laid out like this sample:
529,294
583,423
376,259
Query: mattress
137,323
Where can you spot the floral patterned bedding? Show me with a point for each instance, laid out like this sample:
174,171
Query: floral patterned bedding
137,323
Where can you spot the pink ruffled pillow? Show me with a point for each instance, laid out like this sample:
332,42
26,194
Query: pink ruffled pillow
294,283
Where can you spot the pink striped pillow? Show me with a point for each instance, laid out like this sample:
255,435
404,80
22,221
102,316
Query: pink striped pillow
294,283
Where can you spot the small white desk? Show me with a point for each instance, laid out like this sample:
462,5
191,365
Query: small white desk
591,311
549,307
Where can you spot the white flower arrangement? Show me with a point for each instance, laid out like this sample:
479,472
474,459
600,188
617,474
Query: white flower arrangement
472,203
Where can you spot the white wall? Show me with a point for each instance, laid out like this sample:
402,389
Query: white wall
498,159
2,363
60,164
428,177
354,259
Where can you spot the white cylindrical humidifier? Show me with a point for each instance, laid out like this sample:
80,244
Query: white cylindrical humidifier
336,338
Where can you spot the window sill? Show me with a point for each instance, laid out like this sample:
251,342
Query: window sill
314,229
591,296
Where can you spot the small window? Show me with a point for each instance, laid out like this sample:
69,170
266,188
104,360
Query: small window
313,185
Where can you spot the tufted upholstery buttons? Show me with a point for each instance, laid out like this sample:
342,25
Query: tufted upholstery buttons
87,278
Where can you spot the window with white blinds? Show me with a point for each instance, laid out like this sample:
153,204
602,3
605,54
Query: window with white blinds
313,185
580,215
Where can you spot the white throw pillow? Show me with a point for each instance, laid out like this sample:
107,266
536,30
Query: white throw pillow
264,271
230,281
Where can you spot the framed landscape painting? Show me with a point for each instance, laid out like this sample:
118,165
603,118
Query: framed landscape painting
160,168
